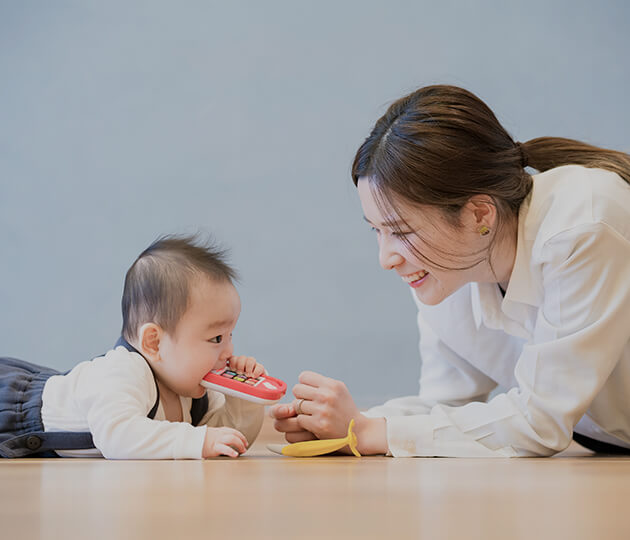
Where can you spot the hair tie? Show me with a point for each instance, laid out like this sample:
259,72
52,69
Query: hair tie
521,149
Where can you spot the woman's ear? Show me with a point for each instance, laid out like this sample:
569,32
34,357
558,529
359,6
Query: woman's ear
149,338
480,211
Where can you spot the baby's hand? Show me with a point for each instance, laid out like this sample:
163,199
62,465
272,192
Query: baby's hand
246,365
220,440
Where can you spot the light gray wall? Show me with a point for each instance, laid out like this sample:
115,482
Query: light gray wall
121,121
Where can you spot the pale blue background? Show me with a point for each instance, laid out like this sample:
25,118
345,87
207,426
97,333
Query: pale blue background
120,121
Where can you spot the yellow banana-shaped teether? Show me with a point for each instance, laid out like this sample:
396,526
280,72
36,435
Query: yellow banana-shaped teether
319,447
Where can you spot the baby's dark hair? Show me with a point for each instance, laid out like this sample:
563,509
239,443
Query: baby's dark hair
157,286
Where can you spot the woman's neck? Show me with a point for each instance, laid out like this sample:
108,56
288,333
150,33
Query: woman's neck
504,255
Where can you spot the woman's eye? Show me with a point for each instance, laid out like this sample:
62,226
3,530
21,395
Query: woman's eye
216,339
395,233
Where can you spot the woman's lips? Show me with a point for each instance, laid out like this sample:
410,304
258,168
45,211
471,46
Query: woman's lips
416,279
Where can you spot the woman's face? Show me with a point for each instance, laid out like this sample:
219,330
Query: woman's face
432,236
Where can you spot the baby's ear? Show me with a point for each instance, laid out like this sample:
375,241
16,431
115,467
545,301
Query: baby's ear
149,341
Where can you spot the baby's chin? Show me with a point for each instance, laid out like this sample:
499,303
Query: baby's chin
200,391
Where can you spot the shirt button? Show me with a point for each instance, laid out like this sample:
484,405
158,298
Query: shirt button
33,442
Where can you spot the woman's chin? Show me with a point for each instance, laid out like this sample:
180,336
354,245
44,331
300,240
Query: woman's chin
427,298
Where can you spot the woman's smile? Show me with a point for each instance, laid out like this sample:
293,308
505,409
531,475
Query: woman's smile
416,279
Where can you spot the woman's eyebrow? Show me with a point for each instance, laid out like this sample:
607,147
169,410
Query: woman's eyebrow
393,222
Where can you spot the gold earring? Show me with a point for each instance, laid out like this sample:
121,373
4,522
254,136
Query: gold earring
484,231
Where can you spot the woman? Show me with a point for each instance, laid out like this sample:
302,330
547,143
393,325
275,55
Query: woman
521,281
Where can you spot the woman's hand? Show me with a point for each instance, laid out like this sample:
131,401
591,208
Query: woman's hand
285,421
323,409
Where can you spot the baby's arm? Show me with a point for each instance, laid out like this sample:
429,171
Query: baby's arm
115,393
233,412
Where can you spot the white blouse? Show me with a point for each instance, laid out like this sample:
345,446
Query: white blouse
558,342
111,396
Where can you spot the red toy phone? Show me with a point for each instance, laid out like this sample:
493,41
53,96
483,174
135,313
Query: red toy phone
264,389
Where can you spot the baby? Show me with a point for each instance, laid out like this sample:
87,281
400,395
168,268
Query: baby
143,399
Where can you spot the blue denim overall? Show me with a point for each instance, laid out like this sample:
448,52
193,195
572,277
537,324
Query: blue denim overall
21,429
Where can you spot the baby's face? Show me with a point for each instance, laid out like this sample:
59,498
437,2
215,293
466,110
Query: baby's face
202,340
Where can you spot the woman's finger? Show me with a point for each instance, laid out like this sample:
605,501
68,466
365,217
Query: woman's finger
305,406
321,429
282,410
313,379
304,391
287,425
299,436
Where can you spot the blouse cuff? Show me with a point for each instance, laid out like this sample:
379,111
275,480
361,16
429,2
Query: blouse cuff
409,436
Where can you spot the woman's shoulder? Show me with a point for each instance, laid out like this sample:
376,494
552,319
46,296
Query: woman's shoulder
576,199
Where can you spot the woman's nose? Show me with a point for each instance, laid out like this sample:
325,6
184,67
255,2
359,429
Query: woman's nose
389,257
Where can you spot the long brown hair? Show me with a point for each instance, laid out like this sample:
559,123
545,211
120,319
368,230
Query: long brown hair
440,145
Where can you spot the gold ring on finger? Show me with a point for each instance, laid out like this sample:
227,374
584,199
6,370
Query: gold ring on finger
298,407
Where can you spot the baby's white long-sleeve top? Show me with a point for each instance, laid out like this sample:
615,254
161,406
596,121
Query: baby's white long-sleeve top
111,396
558,342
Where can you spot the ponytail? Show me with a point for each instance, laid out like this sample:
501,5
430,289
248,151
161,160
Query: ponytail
546,153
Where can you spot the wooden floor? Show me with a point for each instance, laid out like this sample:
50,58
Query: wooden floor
260,495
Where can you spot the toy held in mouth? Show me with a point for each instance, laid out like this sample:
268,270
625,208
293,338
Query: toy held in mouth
318,447
265,390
